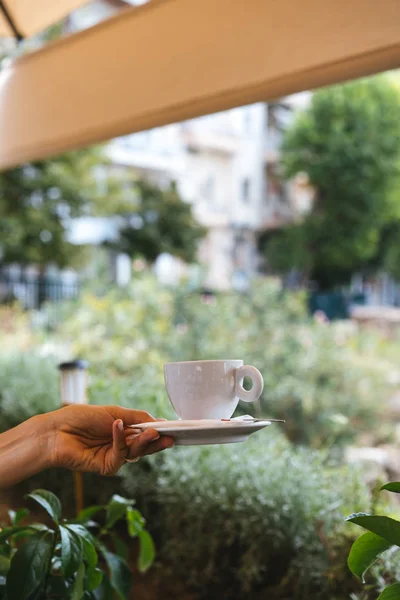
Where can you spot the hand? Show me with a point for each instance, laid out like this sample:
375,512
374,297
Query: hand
96,438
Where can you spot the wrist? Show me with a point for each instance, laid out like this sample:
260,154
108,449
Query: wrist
42,428
26,449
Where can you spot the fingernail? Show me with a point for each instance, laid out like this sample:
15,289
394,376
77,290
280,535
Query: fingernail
120,425
155,436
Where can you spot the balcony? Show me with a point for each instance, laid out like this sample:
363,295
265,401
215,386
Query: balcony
197,139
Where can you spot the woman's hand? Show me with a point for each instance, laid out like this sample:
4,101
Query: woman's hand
97,438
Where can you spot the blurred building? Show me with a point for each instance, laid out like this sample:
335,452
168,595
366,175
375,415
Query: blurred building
225,165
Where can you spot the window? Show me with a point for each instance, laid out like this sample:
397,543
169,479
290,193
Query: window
208,189
246,190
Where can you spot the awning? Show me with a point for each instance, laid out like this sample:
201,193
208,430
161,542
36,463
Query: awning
27,17
171,60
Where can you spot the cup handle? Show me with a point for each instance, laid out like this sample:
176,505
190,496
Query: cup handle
256,378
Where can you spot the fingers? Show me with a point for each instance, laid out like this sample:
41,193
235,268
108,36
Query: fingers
147,442
119,448
132,430
130,416
162,444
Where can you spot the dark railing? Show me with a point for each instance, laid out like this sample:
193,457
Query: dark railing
32,291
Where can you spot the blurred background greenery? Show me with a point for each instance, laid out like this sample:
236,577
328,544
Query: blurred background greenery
264,518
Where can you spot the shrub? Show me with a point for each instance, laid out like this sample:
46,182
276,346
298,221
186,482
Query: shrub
28,386
314,376
236,521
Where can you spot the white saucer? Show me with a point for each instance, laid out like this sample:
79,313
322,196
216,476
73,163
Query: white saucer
206,431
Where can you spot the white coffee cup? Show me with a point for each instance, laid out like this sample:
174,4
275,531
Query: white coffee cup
210,389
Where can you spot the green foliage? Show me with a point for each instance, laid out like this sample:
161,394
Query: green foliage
392,487
364,553
262,519
263,516
391,593
382,533
28,385
159,221
315,378
36,201
348,143
72,559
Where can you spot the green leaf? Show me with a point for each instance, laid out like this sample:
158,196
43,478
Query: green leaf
94,578
392,487
364,553
4,565
116,509
29,530
89,553
135,521
147,551
9,531
120,575
28,566
390,593
49,502
80,530
385,527
26,529
105,591
87,513
88,541
77,590
17,516
120,547
71,552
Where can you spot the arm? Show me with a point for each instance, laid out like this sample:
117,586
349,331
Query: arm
24,451
81,438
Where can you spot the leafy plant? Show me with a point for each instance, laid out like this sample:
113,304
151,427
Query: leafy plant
348,143
316,376
71,559
257,518
28,385
37,199
158,221
382,534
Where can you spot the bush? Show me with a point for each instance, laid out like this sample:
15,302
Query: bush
28,386
315,377
260,518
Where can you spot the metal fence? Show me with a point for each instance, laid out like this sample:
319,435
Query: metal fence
32,291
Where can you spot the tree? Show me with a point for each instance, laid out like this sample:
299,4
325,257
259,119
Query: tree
159,221
348,143
38,200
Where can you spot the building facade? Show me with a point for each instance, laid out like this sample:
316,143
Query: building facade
225,165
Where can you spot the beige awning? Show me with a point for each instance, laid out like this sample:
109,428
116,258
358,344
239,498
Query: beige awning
171,60
32,16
